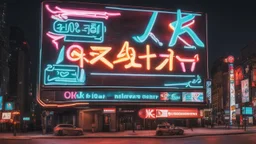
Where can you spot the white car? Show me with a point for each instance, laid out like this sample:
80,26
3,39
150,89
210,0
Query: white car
67,129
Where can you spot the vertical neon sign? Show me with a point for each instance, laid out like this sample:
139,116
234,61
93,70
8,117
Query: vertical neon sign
232,99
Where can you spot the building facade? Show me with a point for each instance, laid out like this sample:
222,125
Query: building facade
20,76
220,93
106,70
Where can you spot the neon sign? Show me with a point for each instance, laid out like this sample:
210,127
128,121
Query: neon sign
116,96
97,46
154,113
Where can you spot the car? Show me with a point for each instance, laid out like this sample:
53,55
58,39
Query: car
167,129
67,129
176,131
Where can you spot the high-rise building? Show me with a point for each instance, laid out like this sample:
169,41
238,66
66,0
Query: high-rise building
20,72
4,54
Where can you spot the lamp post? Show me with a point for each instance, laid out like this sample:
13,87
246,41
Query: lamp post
232,101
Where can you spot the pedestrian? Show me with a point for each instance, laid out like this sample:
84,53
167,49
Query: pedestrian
190,126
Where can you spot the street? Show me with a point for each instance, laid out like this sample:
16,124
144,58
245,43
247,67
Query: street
231,139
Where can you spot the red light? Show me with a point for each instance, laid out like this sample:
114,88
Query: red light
24,43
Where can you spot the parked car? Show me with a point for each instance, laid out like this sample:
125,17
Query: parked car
167,129
67,129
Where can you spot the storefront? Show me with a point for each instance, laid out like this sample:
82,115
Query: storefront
98,70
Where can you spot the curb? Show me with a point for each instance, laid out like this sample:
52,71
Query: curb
128,136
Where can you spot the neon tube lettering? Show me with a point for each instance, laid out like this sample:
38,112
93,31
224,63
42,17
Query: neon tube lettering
147,32
148,56
54,38
168,58
189,46
193,60
70,95
76,53
179,29
86,31
127,54
102,51
62,13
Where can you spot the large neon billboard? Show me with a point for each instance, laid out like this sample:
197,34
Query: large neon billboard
99,46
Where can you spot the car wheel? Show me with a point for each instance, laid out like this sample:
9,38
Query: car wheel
159,133
60,132
181,133
79,133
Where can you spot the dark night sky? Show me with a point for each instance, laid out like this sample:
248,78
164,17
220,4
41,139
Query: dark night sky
230,25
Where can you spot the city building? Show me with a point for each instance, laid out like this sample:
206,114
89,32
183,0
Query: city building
99,71
20,76
245,76
220,93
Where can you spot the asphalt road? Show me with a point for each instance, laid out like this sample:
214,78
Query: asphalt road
231,139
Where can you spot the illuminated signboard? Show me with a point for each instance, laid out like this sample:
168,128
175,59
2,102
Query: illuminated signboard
9,106
1,102
153,113
209,90
245,90
192,97
128,96
99,46
6,115
247,111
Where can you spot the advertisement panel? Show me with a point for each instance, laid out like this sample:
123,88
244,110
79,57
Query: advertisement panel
6,115
127,96
247,111
100,46
1,102
153,113
245,90
192,97
209,91
9,106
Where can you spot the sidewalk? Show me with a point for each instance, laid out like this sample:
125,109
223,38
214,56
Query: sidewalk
130,134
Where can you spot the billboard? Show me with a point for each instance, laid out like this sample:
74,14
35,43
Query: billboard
245,90
100,46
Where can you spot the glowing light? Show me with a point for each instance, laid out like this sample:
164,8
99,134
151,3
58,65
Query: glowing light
193,60
148,56
63,13
148,32
54,38
150,113
102,51
169,58
194,83
186,43
179,29
76,53
61,55
144,10
85,31
64,75
142,75
127,53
